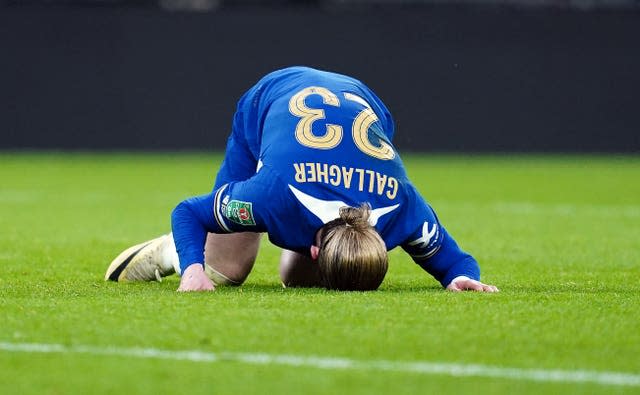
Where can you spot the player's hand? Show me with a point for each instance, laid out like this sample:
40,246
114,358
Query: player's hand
463,283
195,279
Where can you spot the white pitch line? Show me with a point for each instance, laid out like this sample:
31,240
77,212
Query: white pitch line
417,367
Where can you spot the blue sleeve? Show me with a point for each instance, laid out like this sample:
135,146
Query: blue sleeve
449,261
234,207
191,220
431,247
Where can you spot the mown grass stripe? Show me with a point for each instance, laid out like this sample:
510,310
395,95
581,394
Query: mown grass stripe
419,367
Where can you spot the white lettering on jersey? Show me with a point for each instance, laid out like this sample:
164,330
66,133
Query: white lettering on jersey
328,210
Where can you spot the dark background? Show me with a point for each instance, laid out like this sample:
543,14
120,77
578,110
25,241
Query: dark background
466,76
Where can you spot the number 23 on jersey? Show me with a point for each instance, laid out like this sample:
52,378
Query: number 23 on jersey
333,134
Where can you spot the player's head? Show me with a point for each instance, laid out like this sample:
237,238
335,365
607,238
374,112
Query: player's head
350,252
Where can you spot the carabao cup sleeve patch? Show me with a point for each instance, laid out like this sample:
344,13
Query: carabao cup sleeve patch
237,211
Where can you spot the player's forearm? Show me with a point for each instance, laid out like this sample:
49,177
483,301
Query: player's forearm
191,220
446,270
467,267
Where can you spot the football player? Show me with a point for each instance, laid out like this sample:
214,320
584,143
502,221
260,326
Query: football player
310,161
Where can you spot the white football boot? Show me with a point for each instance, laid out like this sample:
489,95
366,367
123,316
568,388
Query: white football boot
148,261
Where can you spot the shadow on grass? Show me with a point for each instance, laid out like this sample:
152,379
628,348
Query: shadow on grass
171,284
277,288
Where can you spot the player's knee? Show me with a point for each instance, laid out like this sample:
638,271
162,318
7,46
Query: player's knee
223,279
231,271
231,256
307,279
298,271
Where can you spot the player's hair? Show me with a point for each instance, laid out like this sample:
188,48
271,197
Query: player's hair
352,256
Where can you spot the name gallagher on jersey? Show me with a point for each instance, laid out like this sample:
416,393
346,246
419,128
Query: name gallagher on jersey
347,177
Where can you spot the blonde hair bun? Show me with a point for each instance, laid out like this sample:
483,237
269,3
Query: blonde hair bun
357,217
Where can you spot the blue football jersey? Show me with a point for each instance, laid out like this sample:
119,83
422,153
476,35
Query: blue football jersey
305,143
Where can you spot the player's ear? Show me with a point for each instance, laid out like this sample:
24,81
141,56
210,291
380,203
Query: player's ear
315,250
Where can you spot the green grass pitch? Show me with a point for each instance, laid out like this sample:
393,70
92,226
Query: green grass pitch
559,235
